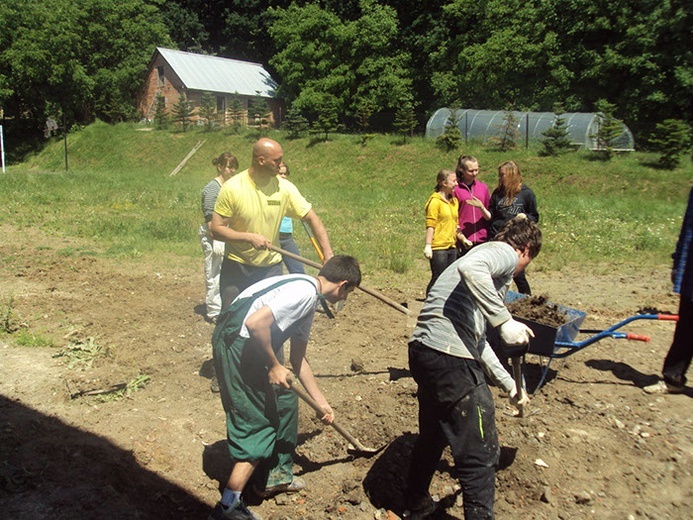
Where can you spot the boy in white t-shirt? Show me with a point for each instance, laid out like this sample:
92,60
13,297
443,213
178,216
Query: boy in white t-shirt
261,410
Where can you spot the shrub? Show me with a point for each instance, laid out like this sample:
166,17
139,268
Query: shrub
672,139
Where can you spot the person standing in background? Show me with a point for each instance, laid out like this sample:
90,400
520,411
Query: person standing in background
286,235
226,166
678,359
441,225
474,199
510,199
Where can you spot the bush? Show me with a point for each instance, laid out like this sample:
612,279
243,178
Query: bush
672,139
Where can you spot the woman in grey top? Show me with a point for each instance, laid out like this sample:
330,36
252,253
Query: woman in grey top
226,166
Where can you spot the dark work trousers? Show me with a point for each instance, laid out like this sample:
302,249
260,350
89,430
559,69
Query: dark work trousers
236,277
442,258
679,356
522,284
456,409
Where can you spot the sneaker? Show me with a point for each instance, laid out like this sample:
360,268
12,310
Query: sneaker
214,385
662,387
297,484
240,512
423,511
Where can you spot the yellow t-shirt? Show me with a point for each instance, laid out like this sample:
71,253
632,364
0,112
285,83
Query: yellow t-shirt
258,209
441,215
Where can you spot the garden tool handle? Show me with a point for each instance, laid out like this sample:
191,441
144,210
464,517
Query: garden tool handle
315,406
372,292
517,375
668,317
637,337
313,241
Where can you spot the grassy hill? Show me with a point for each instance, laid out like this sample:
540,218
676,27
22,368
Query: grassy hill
119,195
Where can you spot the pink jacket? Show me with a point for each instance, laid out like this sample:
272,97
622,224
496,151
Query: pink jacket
471,221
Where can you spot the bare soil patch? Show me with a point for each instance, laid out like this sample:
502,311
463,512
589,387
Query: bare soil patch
594,445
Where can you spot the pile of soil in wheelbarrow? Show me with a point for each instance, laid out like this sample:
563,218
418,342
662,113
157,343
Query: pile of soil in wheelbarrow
538,309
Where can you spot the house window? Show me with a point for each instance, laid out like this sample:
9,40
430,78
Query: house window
160,76
221,104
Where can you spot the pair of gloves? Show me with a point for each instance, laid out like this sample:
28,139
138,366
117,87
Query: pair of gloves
218,248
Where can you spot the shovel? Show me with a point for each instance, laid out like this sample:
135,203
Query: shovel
358,449
516,362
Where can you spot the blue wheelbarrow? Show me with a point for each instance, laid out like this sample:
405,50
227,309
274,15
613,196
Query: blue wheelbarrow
560,342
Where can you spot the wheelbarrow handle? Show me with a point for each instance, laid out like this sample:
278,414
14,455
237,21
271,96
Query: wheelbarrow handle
637,337
668,317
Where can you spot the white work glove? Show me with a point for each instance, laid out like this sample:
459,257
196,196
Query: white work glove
514,333
218,247
428,252
523,400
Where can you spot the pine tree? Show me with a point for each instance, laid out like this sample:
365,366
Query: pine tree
508,133
182,111
450,139
556,140
405,120
161,117
609,129
295,124
672,139
236,115
207,110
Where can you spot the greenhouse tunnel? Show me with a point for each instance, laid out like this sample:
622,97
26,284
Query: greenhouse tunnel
480,125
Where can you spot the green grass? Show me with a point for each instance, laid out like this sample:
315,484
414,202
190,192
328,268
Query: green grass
119,195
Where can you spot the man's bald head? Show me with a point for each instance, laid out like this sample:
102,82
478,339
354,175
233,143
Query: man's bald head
267,157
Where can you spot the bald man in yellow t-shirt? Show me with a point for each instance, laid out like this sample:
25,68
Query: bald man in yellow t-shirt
247,216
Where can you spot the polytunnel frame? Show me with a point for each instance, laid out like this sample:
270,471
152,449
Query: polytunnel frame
580,125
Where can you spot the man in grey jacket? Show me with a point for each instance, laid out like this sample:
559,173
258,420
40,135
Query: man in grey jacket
448,357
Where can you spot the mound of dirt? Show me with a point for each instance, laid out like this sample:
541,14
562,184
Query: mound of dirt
539,310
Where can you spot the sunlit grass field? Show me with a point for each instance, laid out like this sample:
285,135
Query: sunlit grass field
119,195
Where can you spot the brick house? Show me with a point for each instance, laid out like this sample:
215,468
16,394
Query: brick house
235,84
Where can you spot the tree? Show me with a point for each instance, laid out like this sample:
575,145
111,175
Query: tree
405,120
325,106
161,116
508,133
350,60
182,111
87,57
259,112
236,114
672,139
556,141
295,124
450,139
207,110
609,129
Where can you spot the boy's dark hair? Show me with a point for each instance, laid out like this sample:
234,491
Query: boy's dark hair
342,267
520,232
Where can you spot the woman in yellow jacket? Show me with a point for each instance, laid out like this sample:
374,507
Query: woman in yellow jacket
441,225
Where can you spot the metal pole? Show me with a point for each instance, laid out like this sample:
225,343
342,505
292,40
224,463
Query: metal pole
466,127
2,149
65,139
526,130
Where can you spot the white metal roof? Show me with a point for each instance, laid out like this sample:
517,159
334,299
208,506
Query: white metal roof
220,75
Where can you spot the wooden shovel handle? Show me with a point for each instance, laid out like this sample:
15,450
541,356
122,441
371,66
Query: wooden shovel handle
372,292
315,406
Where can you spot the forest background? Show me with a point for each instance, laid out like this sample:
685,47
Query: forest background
86,59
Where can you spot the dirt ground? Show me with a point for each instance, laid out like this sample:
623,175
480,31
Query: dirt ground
591,445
